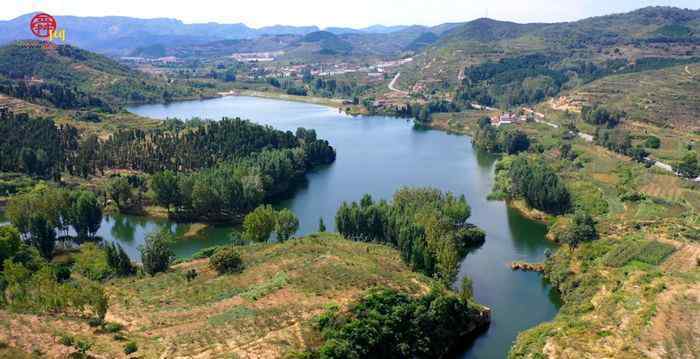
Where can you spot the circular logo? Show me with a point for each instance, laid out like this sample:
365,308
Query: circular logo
42,25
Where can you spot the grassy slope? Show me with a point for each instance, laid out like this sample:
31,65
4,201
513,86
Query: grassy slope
660,97
263,311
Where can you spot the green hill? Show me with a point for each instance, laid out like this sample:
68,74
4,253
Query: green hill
70,78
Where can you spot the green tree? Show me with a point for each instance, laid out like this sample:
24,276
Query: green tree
286,224
156,253
86,215
259,224
43,236
582,230
165,186
118,260
689,167
10,243
119,190
321,225
652,142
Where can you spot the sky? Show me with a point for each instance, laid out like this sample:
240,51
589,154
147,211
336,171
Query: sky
345,13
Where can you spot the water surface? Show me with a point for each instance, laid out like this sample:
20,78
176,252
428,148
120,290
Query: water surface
378,155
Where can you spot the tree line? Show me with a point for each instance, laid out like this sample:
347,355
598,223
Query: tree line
40,148
428,227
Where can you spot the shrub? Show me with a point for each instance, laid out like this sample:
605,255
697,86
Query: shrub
205,252
130,347
226,260
112,327
91,262
66,340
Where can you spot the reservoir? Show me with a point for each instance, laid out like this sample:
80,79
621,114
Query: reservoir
378,155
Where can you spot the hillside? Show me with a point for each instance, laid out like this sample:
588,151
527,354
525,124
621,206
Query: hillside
70,78
264,311
666,97
654,32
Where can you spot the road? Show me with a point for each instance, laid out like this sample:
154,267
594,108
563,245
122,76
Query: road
392,84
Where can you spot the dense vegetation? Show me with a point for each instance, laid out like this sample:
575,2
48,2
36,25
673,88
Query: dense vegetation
389,324
30,145
43,211
428,227
502,139
531,179
512,81
206,169
38,147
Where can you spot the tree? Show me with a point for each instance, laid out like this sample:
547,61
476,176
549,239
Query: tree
156,253
43,236
689,167
652,142
513,141
165,186
226,260
321,225
259,224
582,230
600,116
86,215
119,190
10,243
286,224
539,185
118,260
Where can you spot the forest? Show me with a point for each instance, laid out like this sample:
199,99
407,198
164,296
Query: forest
428,227
38,147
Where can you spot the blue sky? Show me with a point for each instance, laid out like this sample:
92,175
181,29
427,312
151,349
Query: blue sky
352,13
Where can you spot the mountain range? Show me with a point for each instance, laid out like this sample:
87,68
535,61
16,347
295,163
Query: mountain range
120,36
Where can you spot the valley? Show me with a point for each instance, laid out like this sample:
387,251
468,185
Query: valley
478,189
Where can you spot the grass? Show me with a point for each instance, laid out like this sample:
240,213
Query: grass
282,287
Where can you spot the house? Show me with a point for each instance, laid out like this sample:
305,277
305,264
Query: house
504,119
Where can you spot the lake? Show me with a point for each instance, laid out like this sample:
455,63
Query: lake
378,155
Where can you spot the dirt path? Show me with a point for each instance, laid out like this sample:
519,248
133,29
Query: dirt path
392,85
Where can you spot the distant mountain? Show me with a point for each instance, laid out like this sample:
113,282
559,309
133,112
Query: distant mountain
115,35
118,35
425,39
329,43
663,24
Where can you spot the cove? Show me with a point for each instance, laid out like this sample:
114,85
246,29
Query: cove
378,155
